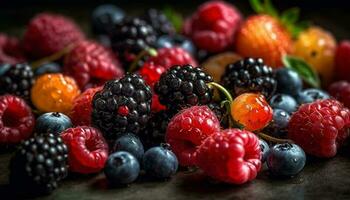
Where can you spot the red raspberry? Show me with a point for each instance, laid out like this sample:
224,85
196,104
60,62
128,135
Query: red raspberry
231,156
341,91
156,105
88,150
342,61
213,26
16,120
10,51
151,72
320,127
188,129
90,63
168,57
49,33
82,107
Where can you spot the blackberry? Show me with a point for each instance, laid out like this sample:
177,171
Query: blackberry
131,36
184,86
159,22
249,75
39,164
220,113
122,106
17,80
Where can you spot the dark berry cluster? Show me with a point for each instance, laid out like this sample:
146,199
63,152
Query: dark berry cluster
159,22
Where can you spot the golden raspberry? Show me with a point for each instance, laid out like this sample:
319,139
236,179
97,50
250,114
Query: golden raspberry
54,93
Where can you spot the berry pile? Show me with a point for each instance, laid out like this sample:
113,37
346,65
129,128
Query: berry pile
137,102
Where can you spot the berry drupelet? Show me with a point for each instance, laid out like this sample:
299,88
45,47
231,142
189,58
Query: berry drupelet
158,20
122,106
184,86
39,164
249,75
16,80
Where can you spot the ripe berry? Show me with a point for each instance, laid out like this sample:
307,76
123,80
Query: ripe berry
47,68
82,107
187,130
104,16
284,102
264,147
183,86
88,150
286,160
342,61
169,41
249,75
91,64
130,143
54,93
231,156
320,127
262,36
159,22
213,26
53,123
288,82
47,34
16,120
160,162
251,111
38,165
341,91
121,168
10,50
311,95
279,124
168,57
151,72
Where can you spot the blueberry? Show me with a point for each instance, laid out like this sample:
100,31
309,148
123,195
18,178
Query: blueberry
48,68
121,168
264,149
278,126
284,102
311,95
160,162
104,16
288,82
129,143
52,122
286,160
176,41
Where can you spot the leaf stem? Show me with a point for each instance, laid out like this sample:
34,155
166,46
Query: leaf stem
52,57
221,89
273,139
150,51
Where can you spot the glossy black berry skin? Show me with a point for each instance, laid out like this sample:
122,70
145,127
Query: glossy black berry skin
288,82
39,164
220,113
286,160
159,22
122,106
168,41
130,143
249,75
311,95
104,16
52,122
184,86
17,80
284,102
264,149
279,125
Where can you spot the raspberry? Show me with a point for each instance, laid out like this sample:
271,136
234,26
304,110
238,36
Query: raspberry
252,111
156,106
320,127
47,34
250,75
159,21
88,150
342,61
231,156
188,129
151,72
90,63
341,91
16,120
10,51
82,107
213,26
54,93
39,164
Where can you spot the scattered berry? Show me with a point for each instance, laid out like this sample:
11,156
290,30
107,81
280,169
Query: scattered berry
48,33
341,91
121,168
279,124
252,111
231,156
284,102
320,127
342,61
88,150
311,95
53,123
54,93
160,162
47,68
10,50
151,72
188,129
104,16
288,82
159,22
169,41
16,120
130,143
264,147
286,160
249,75
39,165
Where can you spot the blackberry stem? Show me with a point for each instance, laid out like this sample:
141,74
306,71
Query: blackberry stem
52,57
150,51
273,139
221,89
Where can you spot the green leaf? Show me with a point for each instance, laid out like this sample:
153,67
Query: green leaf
174,17
256,6
304,70
290,16
270,9
264,6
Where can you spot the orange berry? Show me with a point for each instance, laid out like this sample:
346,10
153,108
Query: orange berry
54,93
262,36
317,47
252,111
